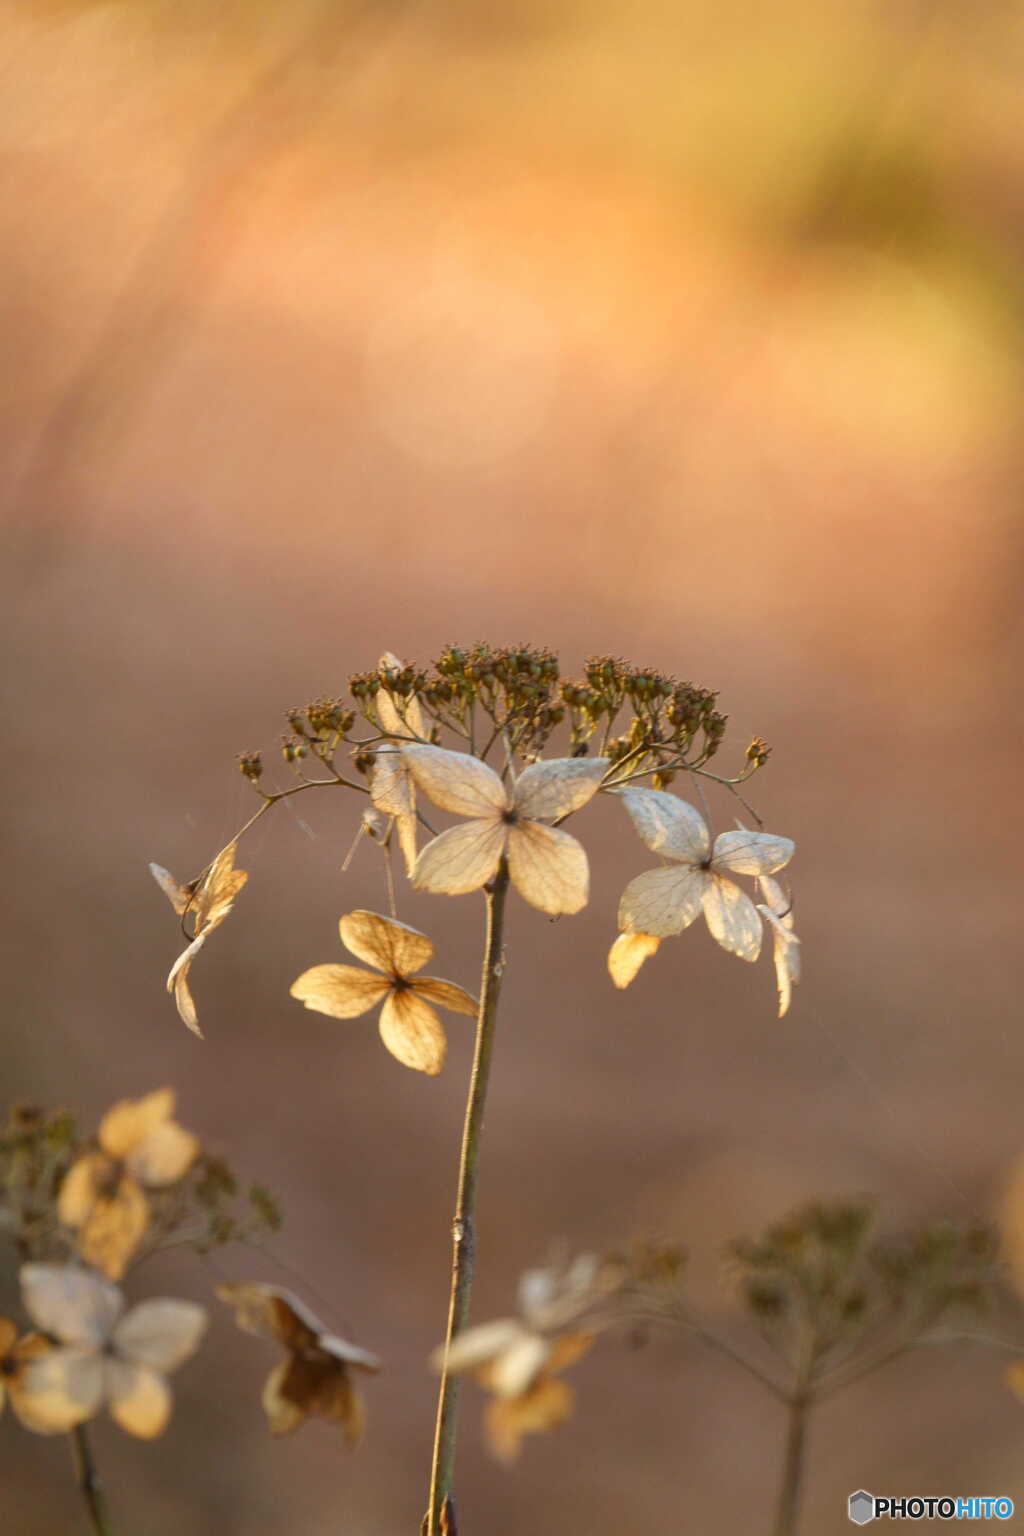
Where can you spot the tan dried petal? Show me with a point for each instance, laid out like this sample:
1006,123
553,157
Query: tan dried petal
406,826
391,782
457,781
177,983
413,1033
114,1228
71,1303
751,853
567,1349
392,947
165,1156
106,1204
785,955
58,1389
559,786
81,1186
130,1121
180,896
732,918
474,1347
662,902
391,790
462,859
160,1333
275,1313
341,991
548,867
628,954
272,1313
508,1419
213,899
514,1370
775,898
390,712
314,1385
668,825
138,1398
283,1415
217,893
445,994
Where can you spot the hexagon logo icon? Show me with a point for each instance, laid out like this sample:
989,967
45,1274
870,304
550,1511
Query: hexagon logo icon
861,1507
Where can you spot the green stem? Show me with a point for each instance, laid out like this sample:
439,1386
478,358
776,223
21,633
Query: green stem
788,1505
89,1482
463,1231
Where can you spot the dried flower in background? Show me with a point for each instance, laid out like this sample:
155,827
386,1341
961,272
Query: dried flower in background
833,1300
103,1354
16,1356
102,1196
517,1359
315,1378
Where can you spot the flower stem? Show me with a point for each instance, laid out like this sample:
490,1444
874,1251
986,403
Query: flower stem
787,1507
89,1482
463,1232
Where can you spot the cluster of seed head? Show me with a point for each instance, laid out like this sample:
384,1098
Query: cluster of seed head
822,1271
634,715
668,716
215,1192
36,1150
318,728
649,1263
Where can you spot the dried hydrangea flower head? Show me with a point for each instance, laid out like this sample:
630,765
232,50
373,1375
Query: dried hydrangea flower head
209,901
697,879
103,1354
530,749
16,1357
517,1359
103,1197
315,1378
409,1025
548,867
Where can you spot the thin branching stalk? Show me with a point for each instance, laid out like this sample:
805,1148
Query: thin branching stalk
463,1232
788,1507
800,1400
89,1482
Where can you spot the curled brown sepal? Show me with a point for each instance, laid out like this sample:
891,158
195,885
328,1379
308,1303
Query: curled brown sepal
314,1379
208,901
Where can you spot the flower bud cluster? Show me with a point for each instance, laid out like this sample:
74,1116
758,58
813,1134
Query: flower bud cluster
651,722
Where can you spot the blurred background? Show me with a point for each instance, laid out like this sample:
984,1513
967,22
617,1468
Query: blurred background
686,332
